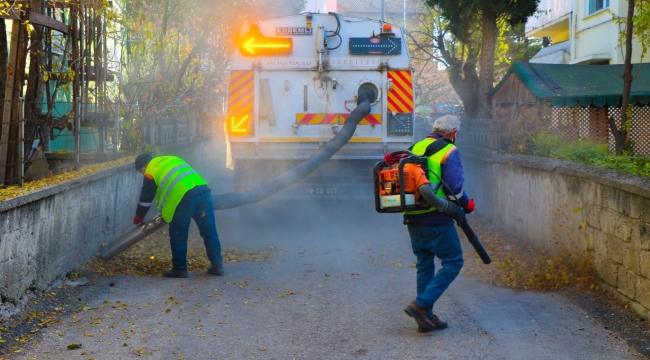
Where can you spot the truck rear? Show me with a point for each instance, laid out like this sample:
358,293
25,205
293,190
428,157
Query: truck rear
293,82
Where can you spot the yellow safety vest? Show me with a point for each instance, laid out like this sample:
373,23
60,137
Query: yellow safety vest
434,162
173,177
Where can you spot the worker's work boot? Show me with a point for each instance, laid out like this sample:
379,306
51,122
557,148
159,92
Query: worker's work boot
420,315
436,321
216,269
176,273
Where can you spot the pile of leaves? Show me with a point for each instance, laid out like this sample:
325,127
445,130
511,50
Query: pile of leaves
29,187
152,255
522,267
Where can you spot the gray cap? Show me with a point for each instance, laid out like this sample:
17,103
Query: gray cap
142,160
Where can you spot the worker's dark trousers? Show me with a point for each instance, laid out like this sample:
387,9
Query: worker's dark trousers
428,242
200,209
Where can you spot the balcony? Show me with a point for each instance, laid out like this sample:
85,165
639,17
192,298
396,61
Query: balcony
552,21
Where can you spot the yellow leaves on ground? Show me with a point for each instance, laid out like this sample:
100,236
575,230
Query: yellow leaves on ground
152,256
14,191
523,267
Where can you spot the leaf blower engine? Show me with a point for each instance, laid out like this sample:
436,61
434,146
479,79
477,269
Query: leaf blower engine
404,186
396,185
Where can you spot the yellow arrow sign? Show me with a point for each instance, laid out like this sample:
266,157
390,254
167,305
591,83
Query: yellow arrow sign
238,124
260,45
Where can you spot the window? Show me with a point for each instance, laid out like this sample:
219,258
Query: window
597,5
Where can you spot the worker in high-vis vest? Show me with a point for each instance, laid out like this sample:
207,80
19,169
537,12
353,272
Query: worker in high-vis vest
433,233
181,195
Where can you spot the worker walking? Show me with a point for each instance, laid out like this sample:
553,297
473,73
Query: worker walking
181,195
432,232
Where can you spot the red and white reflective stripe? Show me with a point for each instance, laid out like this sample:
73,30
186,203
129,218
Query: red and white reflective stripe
317,119
400,96
241,92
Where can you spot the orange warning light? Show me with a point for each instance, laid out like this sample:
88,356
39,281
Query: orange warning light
256,44
239,124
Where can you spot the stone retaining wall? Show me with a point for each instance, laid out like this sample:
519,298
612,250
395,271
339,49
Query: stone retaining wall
567,207
51,231
54,230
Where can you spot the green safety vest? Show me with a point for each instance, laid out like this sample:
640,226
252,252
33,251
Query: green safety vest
173,177
434,162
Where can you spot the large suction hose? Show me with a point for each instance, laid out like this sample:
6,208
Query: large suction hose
261,192
457,214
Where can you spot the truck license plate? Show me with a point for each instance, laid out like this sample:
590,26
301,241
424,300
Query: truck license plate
319,191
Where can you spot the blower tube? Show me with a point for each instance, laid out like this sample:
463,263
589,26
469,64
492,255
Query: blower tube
365,97
127,240
457,214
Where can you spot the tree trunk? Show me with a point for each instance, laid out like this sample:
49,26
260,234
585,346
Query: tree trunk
161,42
465,82
462,77
4,58
626,122
35,87
488,46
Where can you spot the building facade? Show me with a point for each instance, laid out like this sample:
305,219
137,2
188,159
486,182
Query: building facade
581,32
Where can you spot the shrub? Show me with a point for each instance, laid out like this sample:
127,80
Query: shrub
545,142
590,153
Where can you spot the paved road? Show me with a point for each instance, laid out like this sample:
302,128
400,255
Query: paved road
336,291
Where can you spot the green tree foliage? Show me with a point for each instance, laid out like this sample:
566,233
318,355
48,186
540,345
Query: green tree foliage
513,45
464,18
431,40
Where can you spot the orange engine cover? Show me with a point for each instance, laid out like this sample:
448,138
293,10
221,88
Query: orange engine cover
389,180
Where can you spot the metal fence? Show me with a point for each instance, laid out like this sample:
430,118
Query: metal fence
512,129
57,148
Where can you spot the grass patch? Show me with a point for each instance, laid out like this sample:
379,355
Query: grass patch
590,153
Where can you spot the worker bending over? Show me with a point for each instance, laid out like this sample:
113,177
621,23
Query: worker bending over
181,195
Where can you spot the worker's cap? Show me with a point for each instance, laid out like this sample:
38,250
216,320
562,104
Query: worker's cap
142,160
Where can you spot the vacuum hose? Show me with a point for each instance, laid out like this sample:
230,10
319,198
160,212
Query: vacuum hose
457,214
261,192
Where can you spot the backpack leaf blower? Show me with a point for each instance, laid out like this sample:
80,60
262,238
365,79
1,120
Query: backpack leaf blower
398,189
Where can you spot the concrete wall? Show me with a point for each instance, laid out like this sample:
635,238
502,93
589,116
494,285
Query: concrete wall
566,207
46,234
52,231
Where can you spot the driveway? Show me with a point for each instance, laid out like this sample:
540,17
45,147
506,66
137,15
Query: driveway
335,290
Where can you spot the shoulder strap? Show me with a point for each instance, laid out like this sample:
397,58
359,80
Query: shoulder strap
436,146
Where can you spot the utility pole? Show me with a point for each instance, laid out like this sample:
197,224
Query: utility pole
382,10
404,19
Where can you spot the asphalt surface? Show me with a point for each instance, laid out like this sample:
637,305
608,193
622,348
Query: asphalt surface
336,290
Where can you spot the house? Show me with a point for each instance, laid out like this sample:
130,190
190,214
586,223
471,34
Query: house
574,101
580,32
